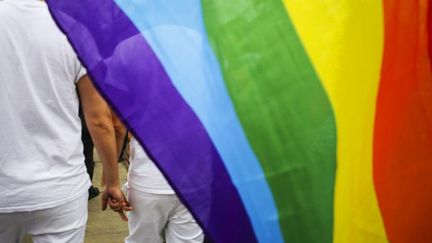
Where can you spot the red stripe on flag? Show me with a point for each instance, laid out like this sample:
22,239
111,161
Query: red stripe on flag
403,128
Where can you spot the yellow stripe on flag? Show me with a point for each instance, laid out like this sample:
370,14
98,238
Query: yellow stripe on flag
344,39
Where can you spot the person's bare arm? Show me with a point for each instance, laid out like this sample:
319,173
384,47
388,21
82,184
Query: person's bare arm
120,132
99,122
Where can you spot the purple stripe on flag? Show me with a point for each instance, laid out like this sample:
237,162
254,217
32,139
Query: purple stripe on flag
130,76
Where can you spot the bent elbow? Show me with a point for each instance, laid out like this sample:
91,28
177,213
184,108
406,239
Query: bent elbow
100,122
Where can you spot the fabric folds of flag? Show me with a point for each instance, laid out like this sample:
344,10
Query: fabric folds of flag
274,121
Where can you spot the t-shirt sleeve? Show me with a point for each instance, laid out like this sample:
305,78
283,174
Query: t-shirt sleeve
80,70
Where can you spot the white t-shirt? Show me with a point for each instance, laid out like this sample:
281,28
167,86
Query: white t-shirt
143,174
41,153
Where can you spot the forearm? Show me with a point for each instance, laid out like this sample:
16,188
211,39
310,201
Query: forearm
104,139
120,135
120,132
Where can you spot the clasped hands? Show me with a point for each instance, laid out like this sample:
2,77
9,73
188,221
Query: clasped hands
114,197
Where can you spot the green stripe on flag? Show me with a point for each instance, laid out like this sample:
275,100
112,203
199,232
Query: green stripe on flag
283,108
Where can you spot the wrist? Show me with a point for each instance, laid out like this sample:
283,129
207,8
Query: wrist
113,184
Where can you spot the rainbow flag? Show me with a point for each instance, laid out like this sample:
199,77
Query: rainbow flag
275,121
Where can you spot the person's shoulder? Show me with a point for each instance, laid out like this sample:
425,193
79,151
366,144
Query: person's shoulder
6,10
13,6
9,9
4,7
7,5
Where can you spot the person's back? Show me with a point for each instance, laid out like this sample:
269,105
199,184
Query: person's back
41,163
158,215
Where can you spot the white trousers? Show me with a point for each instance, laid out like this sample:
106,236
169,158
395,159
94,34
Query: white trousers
62,224
156,217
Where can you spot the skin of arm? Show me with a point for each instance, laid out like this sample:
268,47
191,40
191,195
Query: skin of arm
120,132
99,121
